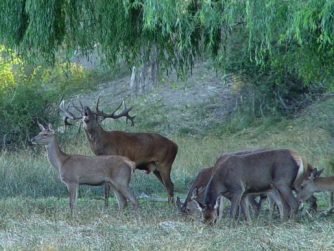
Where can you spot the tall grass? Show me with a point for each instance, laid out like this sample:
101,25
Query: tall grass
34,211
28,172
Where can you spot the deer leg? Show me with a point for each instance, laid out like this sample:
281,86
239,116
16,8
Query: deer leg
106,194
167,182
331,199
271,207
276,199
220,209
244,204
121,200
127,194
254,204
73,194
288,196
235,203
157,174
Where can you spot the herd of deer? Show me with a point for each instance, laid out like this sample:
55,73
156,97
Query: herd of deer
245,178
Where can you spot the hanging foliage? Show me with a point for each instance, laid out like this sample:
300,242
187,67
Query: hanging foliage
276,41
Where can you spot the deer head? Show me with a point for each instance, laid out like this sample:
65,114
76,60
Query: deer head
92,119
45,136
308,186
209,212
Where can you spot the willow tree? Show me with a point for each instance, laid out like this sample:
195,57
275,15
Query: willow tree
144,33
278,45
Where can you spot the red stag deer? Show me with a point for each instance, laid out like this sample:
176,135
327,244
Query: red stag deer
75,170
150,151
239,175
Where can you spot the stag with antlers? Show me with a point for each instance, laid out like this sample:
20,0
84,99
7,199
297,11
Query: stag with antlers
150,151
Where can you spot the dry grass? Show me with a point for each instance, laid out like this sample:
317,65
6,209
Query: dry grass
34,212
44,224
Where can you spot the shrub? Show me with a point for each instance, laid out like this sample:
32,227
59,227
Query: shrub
21,105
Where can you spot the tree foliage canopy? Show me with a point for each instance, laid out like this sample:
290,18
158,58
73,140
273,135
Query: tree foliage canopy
280,40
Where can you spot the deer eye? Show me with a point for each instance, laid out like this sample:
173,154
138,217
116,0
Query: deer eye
302,186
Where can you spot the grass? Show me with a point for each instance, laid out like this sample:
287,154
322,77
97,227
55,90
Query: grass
34,212
44,224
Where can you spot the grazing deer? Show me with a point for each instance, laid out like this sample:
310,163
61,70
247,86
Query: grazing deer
75,170
195,202
239,175
197,189
315,184
150,151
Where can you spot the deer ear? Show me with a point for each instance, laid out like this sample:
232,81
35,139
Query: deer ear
194,194
315,173
199,205
319,173
40,126
200,190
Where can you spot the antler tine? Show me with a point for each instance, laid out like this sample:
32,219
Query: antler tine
124,113
77,108
97,104
67,112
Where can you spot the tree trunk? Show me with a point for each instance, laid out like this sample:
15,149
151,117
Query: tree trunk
145,77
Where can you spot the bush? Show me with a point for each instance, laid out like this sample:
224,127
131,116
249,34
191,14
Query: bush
29,93
20,107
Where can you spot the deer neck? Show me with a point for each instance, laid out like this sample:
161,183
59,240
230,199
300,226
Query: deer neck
96,134
213,190
324,184
55,155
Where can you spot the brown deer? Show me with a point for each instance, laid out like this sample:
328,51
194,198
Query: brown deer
75,170
150,151
196,196
239,175
198,186
314,184
196,190
195,199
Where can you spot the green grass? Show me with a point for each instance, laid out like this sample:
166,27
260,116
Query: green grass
34,212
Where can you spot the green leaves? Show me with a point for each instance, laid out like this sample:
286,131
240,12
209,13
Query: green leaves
282,38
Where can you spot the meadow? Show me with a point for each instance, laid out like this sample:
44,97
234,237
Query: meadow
34,212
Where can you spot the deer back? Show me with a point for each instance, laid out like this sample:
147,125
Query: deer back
139,147
254,171
91,169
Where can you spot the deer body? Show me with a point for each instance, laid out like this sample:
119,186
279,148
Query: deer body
138,147
202,179
75,170
197,191
239,175
150,151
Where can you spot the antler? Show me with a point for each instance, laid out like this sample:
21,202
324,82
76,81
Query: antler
68,113
124,113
